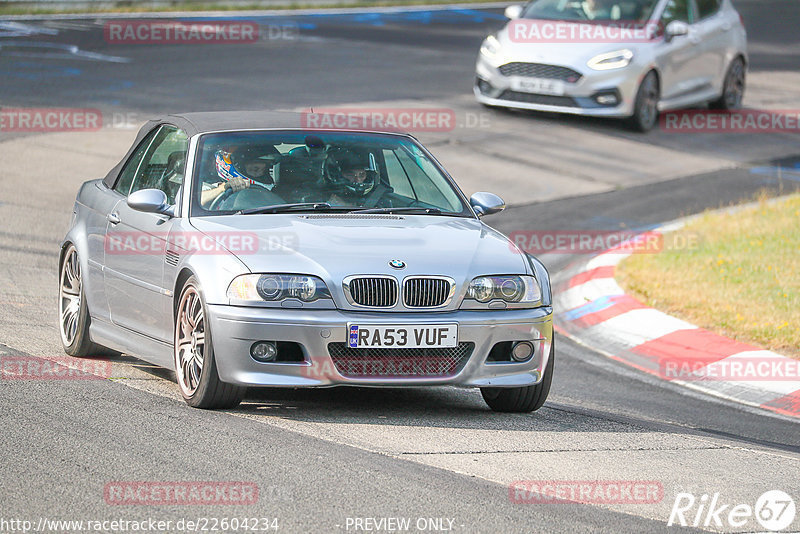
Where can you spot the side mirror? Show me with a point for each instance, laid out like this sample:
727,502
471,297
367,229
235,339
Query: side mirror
513,12
486,203
151,201
674,29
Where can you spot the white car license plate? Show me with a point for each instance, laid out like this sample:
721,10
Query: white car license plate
402,337
541,86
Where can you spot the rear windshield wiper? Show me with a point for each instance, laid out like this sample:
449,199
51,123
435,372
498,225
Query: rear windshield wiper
407,209
280,208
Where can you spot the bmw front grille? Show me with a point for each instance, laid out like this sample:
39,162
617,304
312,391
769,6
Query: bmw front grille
379,291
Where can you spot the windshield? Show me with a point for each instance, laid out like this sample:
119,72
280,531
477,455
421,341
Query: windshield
591,10
270,172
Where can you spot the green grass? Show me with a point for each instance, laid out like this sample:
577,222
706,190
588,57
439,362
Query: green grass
11,9
741,280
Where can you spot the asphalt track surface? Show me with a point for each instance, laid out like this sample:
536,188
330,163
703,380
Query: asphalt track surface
320,457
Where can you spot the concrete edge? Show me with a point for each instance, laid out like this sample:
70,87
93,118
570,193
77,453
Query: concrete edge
594,311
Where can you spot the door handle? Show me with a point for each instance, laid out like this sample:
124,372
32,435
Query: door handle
113,217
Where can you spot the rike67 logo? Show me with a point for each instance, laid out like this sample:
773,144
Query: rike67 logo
774,511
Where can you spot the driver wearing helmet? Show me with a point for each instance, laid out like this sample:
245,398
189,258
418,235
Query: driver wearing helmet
241,169
350,177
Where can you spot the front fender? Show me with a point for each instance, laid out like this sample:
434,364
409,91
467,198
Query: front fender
213,270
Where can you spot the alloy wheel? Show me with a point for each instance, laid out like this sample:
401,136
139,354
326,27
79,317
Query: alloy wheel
70,297
190,340
648,102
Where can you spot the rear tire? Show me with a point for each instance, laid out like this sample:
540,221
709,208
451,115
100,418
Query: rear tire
195,365
525,399
645,107
733,88
73,313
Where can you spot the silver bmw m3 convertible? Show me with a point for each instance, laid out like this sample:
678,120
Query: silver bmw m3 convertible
242,250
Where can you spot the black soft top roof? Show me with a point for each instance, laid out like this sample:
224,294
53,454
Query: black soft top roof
212,121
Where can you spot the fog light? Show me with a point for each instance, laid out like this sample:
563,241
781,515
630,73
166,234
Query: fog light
484,86
522,351
607,99
264,351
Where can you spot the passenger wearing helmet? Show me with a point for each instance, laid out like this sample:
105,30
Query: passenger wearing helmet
350,177
239,170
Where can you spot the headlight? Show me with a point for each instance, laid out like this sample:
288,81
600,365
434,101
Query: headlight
515,291
277,287
490,46
611,60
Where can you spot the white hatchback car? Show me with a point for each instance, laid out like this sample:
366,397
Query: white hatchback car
615,58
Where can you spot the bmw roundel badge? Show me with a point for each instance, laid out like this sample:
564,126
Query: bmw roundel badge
397,264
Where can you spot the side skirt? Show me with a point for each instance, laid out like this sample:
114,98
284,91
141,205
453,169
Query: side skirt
124,340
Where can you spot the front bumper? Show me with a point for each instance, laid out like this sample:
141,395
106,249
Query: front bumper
494,89
235,329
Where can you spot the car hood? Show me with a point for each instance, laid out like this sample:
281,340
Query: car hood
334,246
574,55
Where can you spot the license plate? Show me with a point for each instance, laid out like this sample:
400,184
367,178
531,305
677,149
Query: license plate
542,86
402,337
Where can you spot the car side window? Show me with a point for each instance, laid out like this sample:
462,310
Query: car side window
677,10
123,185
707,8
164,162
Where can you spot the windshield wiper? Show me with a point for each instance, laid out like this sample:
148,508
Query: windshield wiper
281,208
407,209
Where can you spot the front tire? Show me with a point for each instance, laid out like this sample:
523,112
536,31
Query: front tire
525,399
733,88
645,108
195,365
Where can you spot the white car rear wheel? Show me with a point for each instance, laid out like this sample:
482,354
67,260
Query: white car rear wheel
733,88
